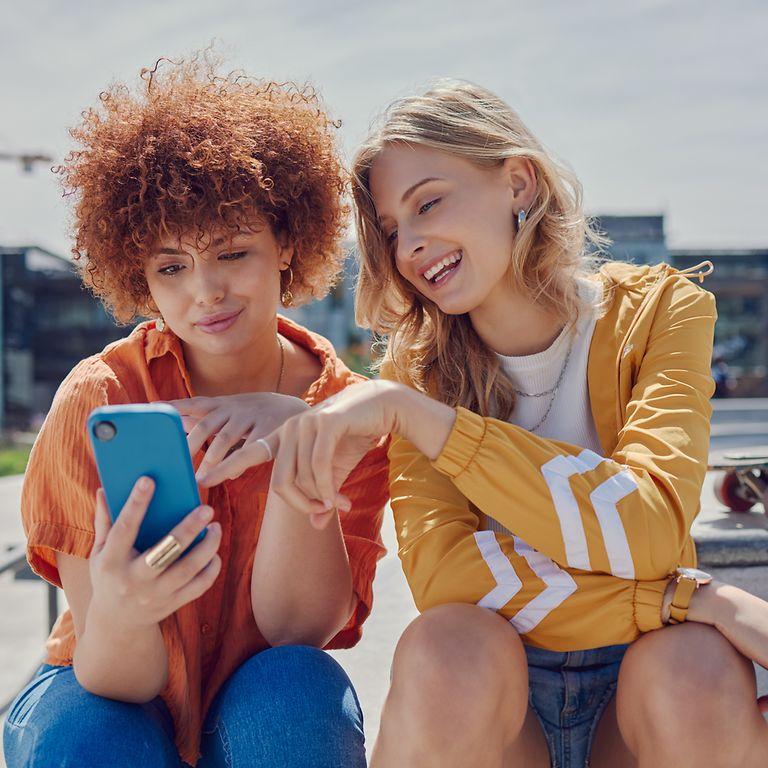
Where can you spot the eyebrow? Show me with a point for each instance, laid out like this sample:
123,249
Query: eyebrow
412,189
408,192
213,244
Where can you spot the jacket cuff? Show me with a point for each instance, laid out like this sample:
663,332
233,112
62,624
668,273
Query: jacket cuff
647,601
462,444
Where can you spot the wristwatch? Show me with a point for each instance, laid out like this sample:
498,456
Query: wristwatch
688,581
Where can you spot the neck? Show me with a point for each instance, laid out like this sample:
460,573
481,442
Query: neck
511,324
254,371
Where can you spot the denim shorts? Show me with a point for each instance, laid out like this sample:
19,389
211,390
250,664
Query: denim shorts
569,692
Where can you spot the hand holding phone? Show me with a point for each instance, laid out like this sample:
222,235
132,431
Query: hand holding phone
126,590
131,441
149,491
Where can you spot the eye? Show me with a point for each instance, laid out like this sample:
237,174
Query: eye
171,269
392,236
424,208
233,256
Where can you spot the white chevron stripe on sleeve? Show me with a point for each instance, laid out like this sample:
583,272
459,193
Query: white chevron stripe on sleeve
557,473
604,499
559,583
508,583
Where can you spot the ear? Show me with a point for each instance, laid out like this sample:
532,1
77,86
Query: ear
286,252
521,176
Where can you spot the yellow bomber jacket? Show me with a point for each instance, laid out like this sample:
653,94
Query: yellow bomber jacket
595,538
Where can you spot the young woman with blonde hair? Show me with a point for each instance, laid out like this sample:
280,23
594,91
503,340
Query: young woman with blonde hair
550,420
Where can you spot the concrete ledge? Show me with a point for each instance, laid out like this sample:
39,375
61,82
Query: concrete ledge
724,539
731,552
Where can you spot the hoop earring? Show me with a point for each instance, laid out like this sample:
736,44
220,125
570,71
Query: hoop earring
520,219
287,295
160,324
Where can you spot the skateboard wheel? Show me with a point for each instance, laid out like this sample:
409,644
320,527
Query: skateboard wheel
729,492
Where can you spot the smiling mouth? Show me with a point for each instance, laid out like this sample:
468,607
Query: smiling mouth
438,272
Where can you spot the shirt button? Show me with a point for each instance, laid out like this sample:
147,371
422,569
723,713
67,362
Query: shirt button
205,629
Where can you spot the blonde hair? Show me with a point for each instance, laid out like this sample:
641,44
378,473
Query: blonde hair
442,354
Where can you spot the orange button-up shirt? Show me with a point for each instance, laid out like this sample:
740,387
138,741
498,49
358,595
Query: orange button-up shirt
207,639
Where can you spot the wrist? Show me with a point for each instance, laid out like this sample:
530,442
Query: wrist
103,620
422,421
712,603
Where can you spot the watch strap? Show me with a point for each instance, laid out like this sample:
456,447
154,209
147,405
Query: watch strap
681,599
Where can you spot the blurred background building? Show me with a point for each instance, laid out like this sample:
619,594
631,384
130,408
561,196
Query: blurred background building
740,285
48,322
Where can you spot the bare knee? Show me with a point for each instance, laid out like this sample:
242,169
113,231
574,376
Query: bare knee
464,655
684,683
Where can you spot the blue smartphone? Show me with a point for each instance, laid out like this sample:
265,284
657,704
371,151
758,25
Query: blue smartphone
130,441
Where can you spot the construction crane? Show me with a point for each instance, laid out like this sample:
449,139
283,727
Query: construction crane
27,159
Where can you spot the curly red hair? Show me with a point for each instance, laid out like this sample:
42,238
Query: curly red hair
191,151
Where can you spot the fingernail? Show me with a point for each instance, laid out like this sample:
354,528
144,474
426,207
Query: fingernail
327,504
214,527
144,483
205,513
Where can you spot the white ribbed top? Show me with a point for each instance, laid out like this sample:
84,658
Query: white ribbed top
570,419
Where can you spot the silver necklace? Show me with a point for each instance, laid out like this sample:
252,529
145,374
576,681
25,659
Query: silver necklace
552,391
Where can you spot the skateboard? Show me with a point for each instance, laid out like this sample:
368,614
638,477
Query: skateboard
743,477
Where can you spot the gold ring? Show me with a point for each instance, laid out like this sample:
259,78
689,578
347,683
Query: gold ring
163,553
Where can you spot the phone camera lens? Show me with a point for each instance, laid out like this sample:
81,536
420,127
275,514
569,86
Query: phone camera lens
105,430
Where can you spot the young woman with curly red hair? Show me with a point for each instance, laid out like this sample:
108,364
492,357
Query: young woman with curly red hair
202,201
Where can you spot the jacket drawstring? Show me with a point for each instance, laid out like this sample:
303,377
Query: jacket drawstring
699,270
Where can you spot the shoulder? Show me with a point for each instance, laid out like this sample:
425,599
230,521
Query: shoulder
631,290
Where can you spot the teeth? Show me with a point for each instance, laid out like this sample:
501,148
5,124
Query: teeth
448,260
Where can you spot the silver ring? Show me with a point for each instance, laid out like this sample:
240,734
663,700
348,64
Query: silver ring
262,441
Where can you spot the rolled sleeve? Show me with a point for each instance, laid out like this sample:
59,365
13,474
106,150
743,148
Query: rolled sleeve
60,483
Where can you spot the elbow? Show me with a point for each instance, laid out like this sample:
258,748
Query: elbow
660,561
100,685
314,637
315,632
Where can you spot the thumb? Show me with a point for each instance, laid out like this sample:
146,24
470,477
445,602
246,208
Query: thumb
102,522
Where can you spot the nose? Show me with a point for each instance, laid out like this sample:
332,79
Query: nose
211,286
410,244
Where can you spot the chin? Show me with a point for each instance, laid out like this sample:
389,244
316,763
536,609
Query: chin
456,306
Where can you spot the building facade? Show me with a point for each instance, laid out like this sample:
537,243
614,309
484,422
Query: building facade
739,282
48,323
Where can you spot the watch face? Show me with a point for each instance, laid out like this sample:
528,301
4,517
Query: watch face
702,577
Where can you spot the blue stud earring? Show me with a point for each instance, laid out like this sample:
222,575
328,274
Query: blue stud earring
520,219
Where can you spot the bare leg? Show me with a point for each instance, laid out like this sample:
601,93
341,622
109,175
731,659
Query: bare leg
685,698
608,747
459,696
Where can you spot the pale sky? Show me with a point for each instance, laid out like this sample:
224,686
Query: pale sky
658,106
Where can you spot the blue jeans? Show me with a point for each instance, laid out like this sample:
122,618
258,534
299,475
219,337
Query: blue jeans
283,708
569,692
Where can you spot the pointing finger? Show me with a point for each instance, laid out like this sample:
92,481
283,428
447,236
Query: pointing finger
253,453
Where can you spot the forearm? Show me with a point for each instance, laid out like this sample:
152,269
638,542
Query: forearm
119,663
301,584
742,618
421,420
